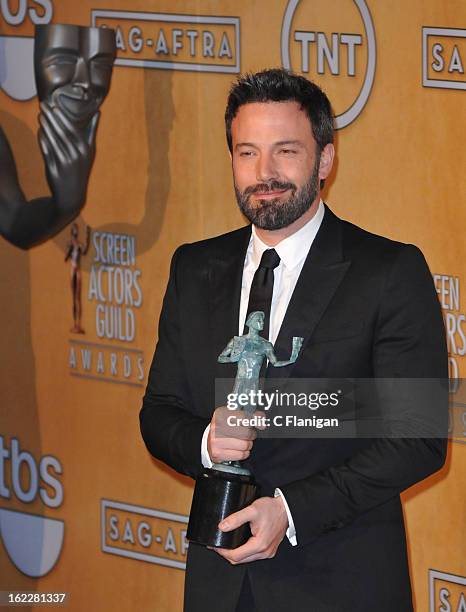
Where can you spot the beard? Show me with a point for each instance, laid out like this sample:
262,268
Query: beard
276,214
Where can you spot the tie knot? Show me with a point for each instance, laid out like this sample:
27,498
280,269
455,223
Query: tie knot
270,259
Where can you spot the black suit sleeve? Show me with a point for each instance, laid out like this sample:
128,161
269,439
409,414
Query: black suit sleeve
409,342
169,429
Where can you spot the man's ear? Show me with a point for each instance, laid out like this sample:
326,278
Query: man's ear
326,160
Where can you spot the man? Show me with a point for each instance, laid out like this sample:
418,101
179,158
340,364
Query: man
328,531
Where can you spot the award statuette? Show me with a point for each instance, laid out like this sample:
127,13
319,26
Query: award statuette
229,486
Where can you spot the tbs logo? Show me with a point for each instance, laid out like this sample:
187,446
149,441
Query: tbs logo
17,21
33,542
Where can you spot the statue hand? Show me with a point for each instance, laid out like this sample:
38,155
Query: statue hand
69,153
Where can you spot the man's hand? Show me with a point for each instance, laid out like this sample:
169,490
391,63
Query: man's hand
268,521
229,442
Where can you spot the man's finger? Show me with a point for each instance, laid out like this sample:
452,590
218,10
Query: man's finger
229,455
229,422
237,519
235,430
261,416
255,557
252,548
233,444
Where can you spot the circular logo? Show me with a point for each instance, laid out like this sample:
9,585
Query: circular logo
17,67
331,46
17,21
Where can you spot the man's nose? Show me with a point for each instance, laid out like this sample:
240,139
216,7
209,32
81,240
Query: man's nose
81,76
266,169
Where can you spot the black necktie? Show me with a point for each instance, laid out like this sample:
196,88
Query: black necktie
260,296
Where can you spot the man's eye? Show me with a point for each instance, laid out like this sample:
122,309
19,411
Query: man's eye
246,154
287,151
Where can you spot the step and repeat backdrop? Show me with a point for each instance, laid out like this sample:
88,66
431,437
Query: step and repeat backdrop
83,507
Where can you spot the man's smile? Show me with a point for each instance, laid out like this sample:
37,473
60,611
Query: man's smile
269,194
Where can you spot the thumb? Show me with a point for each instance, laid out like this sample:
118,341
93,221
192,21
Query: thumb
261,424
235,520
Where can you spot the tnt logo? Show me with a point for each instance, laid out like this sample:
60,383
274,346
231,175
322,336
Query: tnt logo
443,58
334,44
447,592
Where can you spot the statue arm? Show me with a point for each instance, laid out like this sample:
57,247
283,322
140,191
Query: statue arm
297,343
68,157
225,355
24,223
13,204
273,359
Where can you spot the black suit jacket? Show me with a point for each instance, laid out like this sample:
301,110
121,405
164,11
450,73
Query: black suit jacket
366,307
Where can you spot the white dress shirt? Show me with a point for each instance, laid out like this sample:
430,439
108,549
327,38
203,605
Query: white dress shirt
292,252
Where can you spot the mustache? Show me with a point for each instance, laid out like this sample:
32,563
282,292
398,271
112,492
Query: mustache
269,187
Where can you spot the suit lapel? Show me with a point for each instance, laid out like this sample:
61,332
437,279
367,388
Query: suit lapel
322,273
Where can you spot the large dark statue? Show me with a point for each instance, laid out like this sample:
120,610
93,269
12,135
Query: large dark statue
73,68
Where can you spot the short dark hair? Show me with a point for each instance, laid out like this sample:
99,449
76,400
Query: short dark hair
280,85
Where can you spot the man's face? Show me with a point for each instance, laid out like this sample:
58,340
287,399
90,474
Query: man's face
73,66
276,166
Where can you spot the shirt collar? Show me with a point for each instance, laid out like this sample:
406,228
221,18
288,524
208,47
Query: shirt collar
294,249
